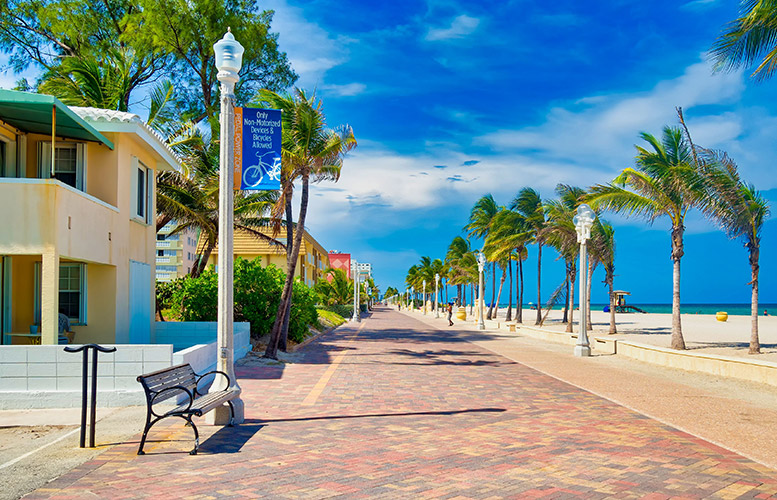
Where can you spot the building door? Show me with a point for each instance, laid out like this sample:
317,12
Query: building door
140,286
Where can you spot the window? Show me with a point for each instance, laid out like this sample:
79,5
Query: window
160,253
142,180
72,292
69,162
160,237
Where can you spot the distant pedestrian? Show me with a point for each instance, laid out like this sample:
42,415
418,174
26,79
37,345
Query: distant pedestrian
766,313
450,314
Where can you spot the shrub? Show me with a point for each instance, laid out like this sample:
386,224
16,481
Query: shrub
257,295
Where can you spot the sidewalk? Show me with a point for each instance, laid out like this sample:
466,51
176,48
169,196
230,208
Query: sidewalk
396,407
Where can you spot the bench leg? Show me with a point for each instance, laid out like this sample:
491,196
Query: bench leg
231,414
188,418
146,428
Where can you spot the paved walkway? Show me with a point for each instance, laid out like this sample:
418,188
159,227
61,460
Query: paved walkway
395,408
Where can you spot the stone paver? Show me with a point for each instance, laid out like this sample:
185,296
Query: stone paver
394,408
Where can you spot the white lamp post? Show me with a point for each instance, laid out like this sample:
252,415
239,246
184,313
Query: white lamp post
436,294
407,297
481,265
229,58
424,297
356,316
583,222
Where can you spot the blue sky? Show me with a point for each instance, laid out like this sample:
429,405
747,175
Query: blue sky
450,101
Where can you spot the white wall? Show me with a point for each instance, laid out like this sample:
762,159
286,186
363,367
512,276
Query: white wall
45,376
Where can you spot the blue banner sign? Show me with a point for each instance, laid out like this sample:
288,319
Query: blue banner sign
257,149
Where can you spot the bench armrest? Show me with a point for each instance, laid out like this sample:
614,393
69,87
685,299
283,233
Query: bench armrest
200,377
152,399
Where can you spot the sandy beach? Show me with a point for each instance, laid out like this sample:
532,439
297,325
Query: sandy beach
701,331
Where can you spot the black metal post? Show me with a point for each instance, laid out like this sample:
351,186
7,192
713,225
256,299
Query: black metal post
85,371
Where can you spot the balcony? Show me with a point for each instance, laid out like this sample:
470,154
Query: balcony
46,213
170,260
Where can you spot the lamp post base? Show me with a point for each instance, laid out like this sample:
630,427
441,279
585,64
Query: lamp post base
221,415
582,351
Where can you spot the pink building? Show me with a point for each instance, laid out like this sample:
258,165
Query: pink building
342,261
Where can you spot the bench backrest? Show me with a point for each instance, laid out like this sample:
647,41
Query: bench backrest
179,375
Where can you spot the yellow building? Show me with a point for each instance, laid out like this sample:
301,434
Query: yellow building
313,258
79,230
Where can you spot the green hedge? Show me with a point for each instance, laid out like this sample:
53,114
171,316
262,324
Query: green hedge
257,295
346,311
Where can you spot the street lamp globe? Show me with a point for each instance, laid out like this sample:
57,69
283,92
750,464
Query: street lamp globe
583,220
229,57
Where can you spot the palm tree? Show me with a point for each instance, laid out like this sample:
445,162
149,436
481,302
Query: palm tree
749,38
309,150
666,182
740,210
480,219
602,247
336,288
528,203
561,234
507,238
454,259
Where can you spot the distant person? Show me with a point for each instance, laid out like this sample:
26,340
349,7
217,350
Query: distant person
766,313
450,314
64,327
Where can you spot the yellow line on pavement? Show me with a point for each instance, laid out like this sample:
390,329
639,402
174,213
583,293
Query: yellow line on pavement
312,397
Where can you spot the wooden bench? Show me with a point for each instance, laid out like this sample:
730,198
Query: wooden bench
180,380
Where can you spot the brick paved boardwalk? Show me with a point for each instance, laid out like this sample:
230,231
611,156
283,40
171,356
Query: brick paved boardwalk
397,409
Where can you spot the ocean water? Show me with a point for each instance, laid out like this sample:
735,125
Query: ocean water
731,309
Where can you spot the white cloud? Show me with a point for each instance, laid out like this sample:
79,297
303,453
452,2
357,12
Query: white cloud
460,27
311,49
347,90
603,129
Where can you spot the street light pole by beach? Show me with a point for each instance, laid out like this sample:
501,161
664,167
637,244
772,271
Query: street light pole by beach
436,294
481,266
229,58
356,316
583,222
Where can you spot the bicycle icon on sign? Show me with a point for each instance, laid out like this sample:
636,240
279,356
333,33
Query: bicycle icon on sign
269,167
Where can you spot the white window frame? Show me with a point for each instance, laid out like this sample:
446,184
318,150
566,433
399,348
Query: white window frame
9,166
82,319
146,196
44,161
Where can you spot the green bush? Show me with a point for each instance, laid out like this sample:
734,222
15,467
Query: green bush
346,311
257,296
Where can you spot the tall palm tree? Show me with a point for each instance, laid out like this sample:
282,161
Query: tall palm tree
665,183
528,203
750,38
740,210
561,234
310,150
457,274
480,219
508,238
602,248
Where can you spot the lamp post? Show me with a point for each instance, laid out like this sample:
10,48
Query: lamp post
407,298
583,222
481,265
436,294
356,316
229,58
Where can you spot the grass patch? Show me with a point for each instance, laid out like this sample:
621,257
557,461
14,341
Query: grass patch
328,319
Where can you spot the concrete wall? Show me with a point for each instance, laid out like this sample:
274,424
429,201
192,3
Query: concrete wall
44,376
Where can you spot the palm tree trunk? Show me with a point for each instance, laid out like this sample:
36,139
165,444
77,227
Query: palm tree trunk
509,315
677,342
539,275
610,278
272,346
462,295
499,296
572,278
519,298
202,264
282,343
472,298
493,290
755,344
565,318
589,326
